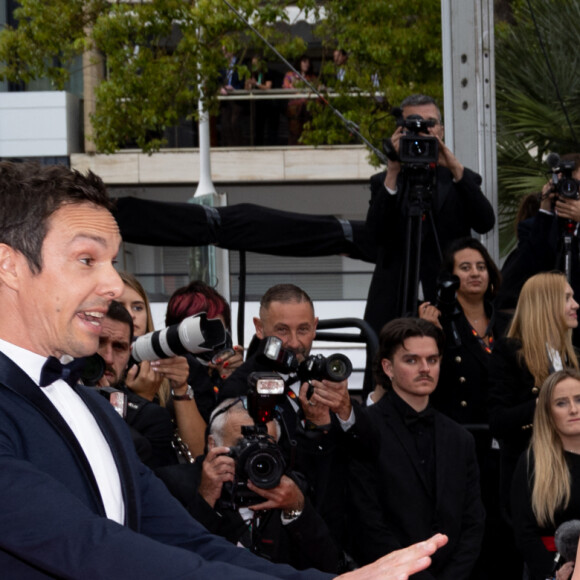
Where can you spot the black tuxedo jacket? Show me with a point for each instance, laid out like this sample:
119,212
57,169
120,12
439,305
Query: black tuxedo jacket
53,523
458,208
395,507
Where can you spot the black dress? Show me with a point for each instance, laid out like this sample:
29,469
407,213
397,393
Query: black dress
529,534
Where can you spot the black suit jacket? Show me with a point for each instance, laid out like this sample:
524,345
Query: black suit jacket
53,523
395,507
512,402
462,392
457,209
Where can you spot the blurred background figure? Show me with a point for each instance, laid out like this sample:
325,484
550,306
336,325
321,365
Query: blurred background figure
297,110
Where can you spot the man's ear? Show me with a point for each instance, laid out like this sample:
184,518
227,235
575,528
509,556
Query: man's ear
258,325
316,323
387,367
9,259
210,442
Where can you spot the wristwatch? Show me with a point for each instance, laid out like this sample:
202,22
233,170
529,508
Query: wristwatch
188,396
291,514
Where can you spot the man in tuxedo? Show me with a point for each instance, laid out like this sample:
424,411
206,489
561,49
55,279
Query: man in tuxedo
457,206
75,500
426,477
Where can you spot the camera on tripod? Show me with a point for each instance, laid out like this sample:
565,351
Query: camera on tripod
415,148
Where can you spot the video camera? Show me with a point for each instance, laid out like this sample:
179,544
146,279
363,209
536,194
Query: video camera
336,367
258,457
415,148
562,181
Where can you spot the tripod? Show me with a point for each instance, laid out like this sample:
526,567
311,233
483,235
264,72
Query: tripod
419,183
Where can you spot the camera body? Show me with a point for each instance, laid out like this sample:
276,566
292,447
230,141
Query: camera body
446,294
565,185
336,367
415,148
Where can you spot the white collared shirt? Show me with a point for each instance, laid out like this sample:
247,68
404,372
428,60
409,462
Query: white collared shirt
84,426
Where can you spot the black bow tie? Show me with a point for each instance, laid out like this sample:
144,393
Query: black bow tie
53,369
424,418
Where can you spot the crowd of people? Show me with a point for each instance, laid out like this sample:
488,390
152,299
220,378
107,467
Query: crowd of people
462,462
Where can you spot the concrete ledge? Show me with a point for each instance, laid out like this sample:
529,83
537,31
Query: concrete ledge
276,164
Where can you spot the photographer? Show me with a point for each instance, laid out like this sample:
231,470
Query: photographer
279,523
457,206
541,247
151,425
325,429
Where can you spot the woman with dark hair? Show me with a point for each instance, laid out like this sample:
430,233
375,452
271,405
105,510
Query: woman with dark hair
471,327
546,483
207,380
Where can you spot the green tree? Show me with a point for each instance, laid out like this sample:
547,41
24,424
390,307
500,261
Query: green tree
154,56
395,43
531,119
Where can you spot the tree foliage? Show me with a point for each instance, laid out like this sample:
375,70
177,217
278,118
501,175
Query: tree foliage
532,119
157,50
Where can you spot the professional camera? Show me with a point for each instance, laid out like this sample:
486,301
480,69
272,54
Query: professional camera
415,148
258,457
264,392
446,294
196,334
335,367
565,185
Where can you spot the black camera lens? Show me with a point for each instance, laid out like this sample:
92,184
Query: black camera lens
338,368
264,469
418,148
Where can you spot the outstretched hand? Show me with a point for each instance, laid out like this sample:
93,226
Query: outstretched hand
401,564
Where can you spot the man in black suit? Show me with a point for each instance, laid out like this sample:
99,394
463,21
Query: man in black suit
457,206
425,478
75,500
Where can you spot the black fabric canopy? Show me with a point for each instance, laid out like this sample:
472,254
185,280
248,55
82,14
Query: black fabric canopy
245,227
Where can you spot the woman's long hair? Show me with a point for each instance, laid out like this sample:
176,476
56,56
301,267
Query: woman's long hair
132,282
539,319
551,476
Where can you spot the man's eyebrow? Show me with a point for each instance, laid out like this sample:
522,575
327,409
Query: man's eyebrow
101,240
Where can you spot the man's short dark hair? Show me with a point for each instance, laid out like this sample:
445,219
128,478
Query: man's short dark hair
394,334
418,100
284,293
119,313
30,193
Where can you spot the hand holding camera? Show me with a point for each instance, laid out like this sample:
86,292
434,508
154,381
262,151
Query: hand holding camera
218,467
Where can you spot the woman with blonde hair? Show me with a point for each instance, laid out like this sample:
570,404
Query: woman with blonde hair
546,484
165,380
538,343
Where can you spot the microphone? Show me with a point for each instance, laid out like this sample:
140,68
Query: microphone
553,160
566,539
